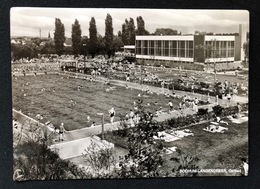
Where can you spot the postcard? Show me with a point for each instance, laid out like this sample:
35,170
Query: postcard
129,93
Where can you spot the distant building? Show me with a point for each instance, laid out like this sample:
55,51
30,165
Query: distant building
188,48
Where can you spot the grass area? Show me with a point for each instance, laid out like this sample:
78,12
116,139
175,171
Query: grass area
91,99
215,150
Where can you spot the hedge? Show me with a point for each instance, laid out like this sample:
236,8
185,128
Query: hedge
119,137
206,116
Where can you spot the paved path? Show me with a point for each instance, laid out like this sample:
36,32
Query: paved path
90,131
76,148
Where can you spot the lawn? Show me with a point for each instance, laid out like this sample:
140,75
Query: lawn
215,151
55,106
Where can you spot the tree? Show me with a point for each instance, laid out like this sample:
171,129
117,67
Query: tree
84,45
109,35
246,47
35,161
117,43
76,37
131,31
128,32
144,158
101,159
48,48
124,34
59,36
184,162
119,34
165,31
101,46
92,37
24,51
141,26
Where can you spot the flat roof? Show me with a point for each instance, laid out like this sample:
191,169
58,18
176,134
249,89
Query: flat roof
67,60
164,37
185,37
129,47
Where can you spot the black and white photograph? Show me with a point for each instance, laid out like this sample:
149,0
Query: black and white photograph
123,93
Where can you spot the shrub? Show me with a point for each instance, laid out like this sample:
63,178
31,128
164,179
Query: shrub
35,161
202,115
202,111
218,110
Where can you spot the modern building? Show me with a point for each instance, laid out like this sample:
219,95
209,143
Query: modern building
189,48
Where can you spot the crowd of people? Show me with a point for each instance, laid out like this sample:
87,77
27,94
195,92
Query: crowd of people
133,73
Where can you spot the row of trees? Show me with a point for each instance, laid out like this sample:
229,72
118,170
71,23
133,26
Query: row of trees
97,44
94,44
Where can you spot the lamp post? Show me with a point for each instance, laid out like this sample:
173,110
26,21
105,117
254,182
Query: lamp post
102,131
214,53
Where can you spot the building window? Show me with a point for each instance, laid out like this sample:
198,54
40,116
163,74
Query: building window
138,47
181,48
173,48
166,48
159,48
163,48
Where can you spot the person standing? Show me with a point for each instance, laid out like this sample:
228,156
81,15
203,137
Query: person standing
229,99
245,167
88,118
112,114
216,100
170,105
194,106
61,132
128,77
131,114
239,109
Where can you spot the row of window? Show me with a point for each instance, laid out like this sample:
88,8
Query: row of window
214,49
221,44
220,53
219,49
164,44
165,48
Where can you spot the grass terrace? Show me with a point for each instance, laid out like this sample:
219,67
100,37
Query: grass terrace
54,103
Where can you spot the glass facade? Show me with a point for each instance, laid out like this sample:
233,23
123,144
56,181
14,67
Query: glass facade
195,48
219,49
166,48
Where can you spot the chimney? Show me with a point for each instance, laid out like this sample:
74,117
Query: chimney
242,40
240,30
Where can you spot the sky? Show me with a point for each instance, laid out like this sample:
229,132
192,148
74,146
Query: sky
28,21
